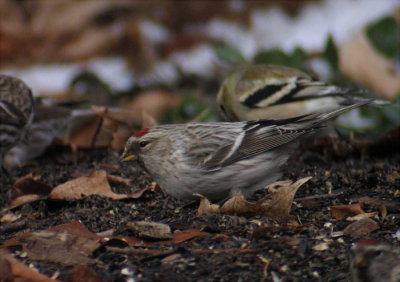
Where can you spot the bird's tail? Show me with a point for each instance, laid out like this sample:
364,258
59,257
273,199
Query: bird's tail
346,96
321,118
350,100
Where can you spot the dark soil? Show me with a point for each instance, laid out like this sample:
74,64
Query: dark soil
236,248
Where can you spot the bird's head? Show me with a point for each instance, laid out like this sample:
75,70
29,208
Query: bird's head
136,145
226,98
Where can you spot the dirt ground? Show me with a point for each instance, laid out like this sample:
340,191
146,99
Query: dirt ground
232,248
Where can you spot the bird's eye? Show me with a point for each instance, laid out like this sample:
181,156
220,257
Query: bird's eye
143,144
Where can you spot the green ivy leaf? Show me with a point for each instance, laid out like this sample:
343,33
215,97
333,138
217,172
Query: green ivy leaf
228,54
193,106
298,59
274,56
383,36
392,112
331,54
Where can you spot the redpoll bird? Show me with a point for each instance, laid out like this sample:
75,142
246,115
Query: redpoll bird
277,92
16,112
219,158
372,261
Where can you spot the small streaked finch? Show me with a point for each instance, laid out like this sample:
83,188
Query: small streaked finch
278,92
373,261
16,112
219,158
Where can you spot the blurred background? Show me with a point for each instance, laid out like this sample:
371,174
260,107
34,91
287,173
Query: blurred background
145,61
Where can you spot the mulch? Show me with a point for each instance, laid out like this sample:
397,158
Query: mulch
228,247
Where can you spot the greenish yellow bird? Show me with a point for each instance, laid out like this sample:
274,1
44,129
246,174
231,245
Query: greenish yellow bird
278,92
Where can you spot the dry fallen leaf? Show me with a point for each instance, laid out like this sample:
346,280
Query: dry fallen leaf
321,246
177,237
382,212
79,233
29,184
83,273
154,103
342,211
117,180
83,136
205,206
14,270
92,40
154,187
74,32
94,184
360,228
171,259
152,230
282,193
148,120
362,216
359,61
60,247
74,228
101,127
381,205
282,199
182,236
239,205
27,189
9,217
377,202
5,268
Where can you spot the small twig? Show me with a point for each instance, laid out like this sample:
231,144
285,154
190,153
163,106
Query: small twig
221,251
12,227
137,251
158,253
96,132
317,197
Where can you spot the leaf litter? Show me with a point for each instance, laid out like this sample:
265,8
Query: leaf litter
197,240
278,208
29,189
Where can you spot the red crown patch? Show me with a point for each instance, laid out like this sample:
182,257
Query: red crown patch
141,132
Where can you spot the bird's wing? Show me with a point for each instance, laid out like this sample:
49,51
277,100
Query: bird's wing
215,146
257,137
207,139
9,114
288,90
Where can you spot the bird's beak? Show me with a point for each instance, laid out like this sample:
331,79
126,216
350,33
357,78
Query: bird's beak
125,157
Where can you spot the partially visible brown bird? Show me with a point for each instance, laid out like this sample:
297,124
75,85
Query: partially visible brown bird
373,261
16,112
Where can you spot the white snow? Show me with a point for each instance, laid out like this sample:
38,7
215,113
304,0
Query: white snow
268,28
